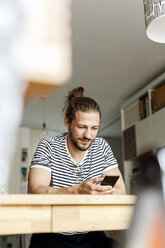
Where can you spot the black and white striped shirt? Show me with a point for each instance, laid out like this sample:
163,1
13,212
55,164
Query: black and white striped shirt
52,154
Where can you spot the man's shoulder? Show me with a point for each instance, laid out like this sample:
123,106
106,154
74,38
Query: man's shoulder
99,141
56,139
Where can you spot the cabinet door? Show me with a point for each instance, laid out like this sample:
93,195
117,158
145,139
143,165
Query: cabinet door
144,136
129,139
158,119
130,115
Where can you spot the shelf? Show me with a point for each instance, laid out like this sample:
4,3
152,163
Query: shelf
143,120
144,103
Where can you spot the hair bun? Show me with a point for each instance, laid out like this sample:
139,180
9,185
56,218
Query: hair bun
74,93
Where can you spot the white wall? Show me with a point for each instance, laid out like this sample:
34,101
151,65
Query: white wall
26,138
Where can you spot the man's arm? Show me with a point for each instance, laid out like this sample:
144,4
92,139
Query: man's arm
119,186
39,180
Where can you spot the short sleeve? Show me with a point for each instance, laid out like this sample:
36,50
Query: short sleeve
110,161
41,157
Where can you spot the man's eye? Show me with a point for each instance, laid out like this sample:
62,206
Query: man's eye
95,128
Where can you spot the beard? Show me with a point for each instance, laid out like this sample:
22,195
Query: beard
76,144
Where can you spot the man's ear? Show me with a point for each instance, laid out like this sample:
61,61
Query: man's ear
67,122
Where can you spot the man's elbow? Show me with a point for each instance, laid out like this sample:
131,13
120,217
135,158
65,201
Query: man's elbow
39,189
31,190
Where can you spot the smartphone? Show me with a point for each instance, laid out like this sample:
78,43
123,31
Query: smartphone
110,180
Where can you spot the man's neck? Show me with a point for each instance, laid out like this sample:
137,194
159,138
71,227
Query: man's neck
76,154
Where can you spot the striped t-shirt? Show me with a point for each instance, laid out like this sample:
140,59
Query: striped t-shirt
52,154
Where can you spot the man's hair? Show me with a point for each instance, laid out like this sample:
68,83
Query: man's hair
75,101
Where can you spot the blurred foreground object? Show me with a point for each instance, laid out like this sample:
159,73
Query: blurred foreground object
154,11
148,224
161,159
12,85
35,47
46,56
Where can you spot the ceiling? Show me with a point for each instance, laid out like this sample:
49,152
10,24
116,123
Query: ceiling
111,57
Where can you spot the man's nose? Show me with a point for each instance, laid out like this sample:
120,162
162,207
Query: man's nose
87,134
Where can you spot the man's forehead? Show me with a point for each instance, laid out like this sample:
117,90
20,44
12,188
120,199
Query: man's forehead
80,113
90,115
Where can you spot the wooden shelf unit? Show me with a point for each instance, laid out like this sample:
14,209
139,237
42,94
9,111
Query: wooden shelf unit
143,121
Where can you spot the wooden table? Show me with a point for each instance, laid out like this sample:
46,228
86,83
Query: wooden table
21,214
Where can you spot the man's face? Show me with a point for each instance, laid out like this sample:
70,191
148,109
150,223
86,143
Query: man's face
83,129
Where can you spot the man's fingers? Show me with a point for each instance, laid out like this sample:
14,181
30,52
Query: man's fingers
103,188
99,189
96,180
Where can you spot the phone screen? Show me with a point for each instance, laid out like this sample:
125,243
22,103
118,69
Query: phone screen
110,180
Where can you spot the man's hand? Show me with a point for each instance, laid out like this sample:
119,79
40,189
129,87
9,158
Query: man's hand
91,187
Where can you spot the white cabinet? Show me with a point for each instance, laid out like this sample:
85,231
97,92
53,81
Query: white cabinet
144,136
150,132
130,115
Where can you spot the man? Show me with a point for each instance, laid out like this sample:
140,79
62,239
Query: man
74,163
